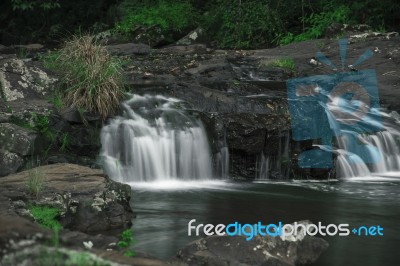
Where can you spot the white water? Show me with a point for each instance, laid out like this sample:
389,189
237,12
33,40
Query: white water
154,140
380,150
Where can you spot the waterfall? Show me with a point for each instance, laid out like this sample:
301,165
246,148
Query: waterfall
155,140
362,154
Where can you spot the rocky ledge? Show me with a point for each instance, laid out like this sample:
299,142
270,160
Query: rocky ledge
89,205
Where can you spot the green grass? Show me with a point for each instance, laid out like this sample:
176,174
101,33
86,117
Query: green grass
284,63
35,183
90,77
64,142
46,216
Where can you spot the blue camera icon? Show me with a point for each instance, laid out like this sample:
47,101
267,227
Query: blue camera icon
342,106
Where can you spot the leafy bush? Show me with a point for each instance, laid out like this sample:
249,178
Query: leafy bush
45,216
247,24
126,242
317,24
91,78
170,16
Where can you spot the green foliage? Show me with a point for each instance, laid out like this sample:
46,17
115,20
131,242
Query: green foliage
21,53
170,16
35,183
91,78
45,216
317,24
64,142
284,63
126,242
56,99
41,125
243,24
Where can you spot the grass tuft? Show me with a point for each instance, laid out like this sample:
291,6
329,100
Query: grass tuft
284,63
91,78
35,183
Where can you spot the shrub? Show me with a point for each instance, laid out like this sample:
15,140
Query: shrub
317,24
90,77
247,24
170,16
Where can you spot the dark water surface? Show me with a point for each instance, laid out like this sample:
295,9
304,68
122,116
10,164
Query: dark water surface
164,210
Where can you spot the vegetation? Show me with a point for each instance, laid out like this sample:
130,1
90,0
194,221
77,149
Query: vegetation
91,78
230,23
126,242
284,63
45,216
170,16
35,183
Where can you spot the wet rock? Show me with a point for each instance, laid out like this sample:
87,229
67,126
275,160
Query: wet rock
261,250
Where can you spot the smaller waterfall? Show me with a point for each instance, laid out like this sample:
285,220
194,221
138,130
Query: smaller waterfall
155,140
277,165
361,154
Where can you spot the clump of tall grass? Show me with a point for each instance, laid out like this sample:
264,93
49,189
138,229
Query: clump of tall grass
35,183
91,78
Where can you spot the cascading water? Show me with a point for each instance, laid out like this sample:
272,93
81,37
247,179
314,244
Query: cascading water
154,140
379,150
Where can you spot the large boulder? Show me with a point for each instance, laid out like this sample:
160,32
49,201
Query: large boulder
23,79
261,250
88,201
17,143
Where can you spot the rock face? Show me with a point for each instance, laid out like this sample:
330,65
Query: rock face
23,79
236,250
88,200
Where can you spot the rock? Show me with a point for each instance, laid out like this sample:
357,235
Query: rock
23,79
129,49
45,255
16,144
193,37
88,200
6,49
336,29
19,140
261,250
9,162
